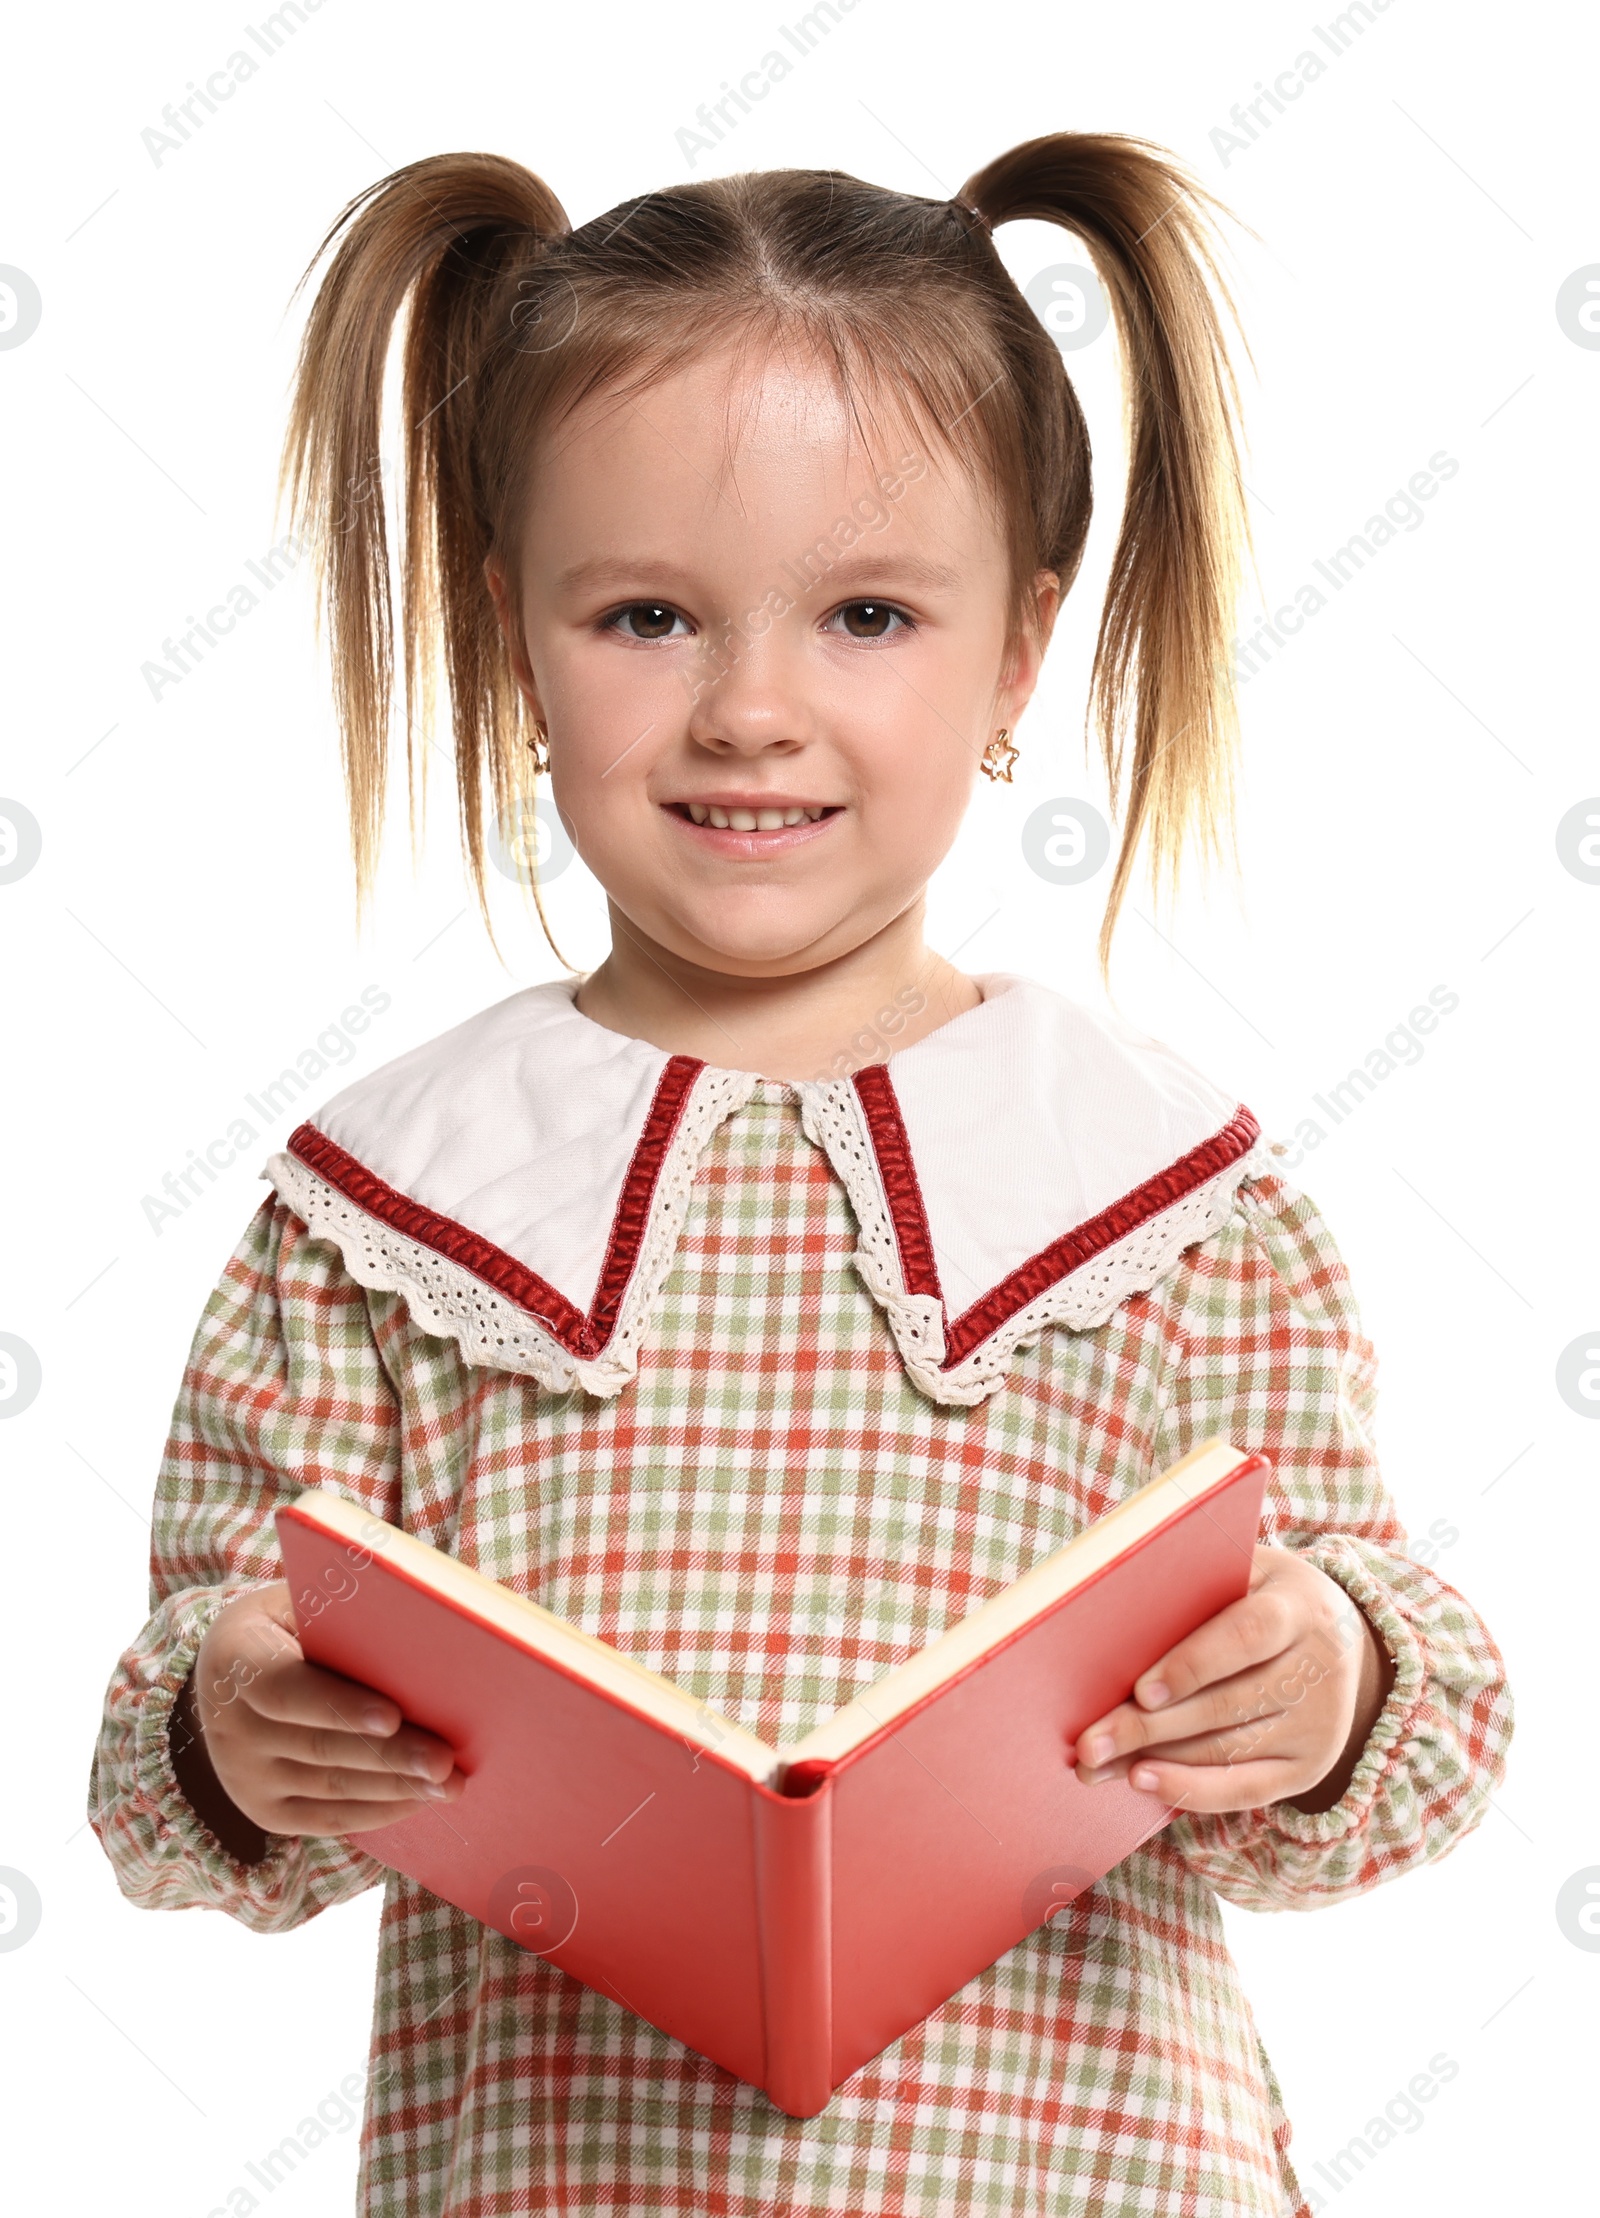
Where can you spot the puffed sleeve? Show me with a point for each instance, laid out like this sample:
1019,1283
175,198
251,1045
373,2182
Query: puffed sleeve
1269,1352
284,1388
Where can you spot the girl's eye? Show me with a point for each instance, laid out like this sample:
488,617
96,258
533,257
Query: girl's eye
870,619
646,620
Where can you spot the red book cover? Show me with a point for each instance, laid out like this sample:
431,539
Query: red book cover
787,1913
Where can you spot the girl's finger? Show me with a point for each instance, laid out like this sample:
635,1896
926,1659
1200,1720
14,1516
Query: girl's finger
1230,1744
328,1820
1241,1702
294,1692
1205,1788
341,1783
1249,1632
410,1753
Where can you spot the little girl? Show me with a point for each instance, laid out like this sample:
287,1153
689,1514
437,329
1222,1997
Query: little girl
745,511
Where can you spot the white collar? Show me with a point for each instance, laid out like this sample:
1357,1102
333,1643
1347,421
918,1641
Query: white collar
522,1180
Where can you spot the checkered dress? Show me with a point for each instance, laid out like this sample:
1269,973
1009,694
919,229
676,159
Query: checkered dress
773,1515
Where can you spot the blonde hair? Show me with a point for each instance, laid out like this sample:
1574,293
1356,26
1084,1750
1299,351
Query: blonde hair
513,317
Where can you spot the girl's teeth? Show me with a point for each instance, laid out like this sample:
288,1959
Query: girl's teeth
750,820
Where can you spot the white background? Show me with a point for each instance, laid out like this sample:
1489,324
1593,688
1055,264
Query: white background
188,929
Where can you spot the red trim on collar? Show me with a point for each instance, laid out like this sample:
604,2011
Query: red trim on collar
899,1175
638,1191
580,1335
886,1126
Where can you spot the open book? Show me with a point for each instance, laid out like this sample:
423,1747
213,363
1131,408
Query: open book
786,1912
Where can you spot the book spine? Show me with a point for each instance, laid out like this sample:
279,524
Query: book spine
794,1868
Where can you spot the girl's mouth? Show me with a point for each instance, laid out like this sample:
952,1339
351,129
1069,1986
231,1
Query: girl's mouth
751,829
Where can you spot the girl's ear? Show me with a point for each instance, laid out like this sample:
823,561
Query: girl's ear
1025,656
511,628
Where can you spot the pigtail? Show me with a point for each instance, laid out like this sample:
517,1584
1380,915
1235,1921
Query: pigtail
1163,697
441,235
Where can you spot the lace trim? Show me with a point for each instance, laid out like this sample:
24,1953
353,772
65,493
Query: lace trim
1083,1299
830,1115
448,1300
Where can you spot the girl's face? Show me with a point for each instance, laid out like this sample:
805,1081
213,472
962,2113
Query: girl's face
769,654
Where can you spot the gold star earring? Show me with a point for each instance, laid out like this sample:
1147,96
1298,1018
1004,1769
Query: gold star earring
998,757
540,743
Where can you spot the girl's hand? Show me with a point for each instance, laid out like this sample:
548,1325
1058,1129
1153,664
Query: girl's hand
302,1750
1271,1700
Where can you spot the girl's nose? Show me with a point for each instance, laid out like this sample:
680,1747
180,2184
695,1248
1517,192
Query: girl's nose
741,703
